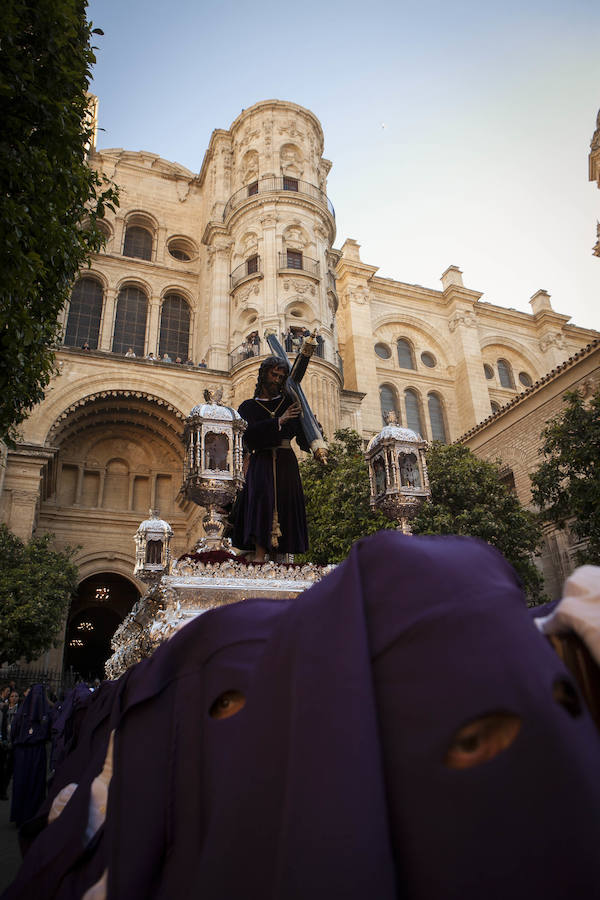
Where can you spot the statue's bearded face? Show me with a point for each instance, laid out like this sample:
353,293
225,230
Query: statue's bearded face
274,379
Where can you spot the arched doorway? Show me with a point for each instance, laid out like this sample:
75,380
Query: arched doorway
101,604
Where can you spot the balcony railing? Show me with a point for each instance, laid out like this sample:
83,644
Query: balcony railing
249,351
252,266
273,185
300,262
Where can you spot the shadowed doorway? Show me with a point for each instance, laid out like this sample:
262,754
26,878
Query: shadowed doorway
100,605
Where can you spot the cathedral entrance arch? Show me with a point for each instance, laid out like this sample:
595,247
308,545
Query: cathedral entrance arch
100,605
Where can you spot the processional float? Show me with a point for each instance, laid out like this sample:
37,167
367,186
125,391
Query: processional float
210,575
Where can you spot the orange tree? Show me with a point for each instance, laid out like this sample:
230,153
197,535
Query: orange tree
468,497
566,486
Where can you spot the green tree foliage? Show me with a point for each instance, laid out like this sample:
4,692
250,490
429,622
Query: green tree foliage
36,584
337,500
468,497
567,484
50,200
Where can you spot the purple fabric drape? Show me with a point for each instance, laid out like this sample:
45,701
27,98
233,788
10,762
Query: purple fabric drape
332,780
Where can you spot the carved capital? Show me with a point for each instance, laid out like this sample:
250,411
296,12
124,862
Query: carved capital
358,295
269,220
467,319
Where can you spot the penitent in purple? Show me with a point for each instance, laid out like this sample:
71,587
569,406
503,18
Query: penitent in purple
406,733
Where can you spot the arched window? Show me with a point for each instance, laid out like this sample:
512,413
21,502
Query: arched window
388,401
505,374
436,418
138,242
406,359
85,312
130,321
174,327
413,411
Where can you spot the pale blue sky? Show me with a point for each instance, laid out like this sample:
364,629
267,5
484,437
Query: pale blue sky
488,114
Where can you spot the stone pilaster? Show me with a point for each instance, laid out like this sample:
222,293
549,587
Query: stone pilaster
108,318
153,325
25,466
219,250
472,395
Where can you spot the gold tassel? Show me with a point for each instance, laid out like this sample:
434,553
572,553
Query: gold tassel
275,528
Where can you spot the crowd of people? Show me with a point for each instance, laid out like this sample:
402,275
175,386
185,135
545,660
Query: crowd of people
165,358
402,729
33,741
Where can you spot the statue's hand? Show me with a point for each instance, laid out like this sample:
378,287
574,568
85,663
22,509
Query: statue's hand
292,412
321,455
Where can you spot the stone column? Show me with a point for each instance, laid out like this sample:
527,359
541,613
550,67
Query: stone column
108,318
153,323
270,264
472,395
549,327
218,317
79,488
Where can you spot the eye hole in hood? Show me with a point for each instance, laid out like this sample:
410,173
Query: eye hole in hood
482,739
227,704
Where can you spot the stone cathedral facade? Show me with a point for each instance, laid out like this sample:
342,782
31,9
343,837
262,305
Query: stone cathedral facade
196,267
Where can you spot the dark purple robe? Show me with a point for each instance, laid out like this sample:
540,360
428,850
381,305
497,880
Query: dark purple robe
254,509
63,718
332,781
30,731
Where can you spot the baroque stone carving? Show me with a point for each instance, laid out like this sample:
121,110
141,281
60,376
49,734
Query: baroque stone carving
289,127
556,339
468,319
301,287
268,131
242,296
358,295
248,136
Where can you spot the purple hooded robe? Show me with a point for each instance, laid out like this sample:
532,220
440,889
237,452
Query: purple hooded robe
30,731
332,780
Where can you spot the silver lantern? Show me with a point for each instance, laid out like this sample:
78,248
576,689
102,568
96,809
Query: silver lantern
152,548
397,473
213,464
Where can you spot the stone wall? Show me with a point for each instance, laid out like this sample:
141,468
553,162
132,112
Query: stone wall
513,436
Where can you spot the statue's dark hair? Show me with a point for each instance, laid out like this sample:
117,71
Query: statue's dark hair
271,362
